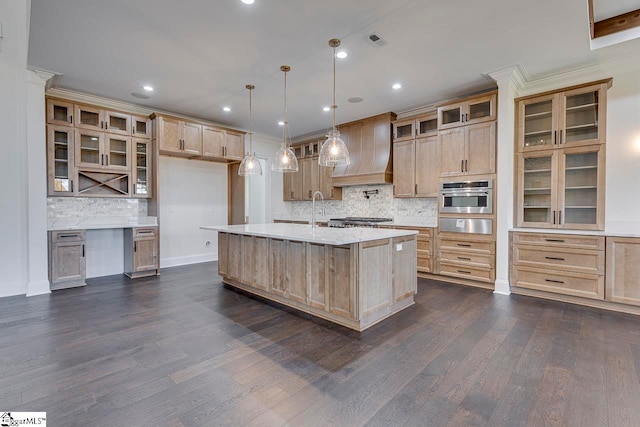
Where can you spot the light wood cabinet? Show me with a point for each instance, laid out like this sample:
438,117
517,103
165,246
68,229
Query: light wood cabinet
255,259
59,112
561,188
416,167
467,112
573,117
67,262
100,150
219,143
311,177
466,256
296,271
141,251
94,118
142,168
60,160
468,150
408,129
141,127
178,137
559,263
623,270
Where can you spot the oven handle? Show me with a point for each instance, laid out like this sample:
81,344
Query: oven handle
465,193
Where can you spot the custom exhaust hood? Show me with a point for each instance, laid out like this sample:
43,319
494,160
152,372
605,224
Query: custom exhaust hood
370,149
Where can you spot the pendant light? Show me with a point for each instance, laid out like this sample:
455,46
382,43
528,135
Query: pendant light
285,160
334,151
250,164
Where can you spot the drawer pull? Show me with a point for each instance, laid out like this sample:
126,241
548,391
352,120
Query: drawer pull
464,258
62,236
464,245
554,258
464,271
554,281
145,232
555,240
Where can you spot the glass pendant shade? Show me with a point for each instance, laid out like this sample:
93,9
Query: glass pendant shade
334,151
285,160
250,165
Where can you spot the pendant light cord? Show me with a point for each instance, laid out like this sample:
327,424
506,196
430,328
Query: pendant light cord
334,106
285,144
250,122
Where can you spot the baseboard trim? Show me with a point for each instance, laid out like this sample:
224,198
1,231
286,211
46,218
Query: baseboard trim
186,260
502,287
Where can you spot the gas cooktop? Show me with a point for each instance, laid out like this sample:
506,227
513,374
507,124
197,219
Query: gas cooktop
354,221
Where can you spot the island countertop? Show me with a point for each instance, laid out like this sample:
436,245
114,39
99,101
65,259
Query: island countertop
306,233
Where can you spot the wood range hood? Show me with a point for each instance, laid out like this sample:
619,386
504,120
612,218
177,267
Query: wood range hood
370,151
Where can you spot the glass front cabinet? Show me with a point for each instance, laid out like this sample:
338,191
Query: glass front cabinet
142,168
561,159
60,160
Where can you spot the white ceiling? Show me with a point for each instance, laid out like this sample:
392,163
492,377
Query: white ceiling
200,54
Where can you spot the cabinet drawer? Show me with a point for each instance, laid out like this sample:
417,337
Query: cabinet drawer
475,246
484,260
568,259
466,272
67,236
560,240
145,232
424,262
576,284
424,243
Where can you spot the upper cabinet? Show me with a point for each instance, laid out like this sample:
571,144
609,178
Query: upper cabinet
568,118
416,163
141,127
311,177
220,143
466,112
60,163
59,112
100,150
94,118
178,137
468,150
561,158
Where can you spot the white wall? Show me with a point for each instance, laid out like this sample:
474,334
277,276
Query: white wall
13,161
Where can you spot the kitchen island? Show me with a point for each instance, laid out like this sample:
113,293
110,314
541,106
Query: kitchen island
354,277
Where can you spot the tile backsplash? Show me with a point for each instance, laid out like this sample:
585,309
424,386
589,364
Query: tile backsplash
382,205
77,207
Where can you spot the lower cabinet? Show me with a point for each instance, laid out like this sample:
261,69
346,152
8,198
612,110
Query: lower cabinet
424,250
559,263
141,251
67,262
623,270
467,256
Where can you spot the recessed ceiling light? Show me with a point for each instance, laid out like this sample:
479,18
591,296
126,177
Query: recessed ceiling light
227,109
248,1
280,123
139,95
148,88
326,108
342,54
396,86
355,99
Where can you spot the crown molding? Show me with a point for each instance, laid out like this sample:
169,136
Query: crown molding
39,77
517,76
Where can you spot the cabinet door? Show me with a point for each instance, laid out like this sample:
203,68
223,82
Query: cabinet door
403,130
170,136
427,166
89,148
310,177
142,168
296,274
343,296
450,116
581,188
537,123
451,146
427,125
212,142
140,127
480,149
87,117
68,262
234,145
537,189
481,109
145,255
623,270
60,163
317,272
404,173
278,260
192,138
118,123
326,187
583,116
117,152
59,112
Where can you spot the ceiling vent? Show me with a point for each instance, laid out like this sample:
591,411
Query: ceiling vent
376,40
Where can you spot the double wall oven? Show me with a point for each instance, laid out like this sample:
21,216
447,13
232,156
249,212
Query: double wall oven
464,204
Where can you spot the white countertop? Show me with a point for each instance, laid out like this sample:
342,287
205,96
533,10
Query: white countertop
96,223
402,221
306,233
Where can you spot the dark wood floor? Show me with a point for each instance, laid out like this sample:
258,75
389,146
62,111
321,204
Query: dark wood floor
182,350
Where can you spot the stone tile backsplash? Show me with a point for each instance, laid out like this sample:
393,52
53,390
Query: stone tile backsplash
381,205
90,207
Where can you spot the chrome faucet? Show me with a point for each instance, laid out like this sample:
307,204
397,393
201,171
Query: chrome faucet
313,208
